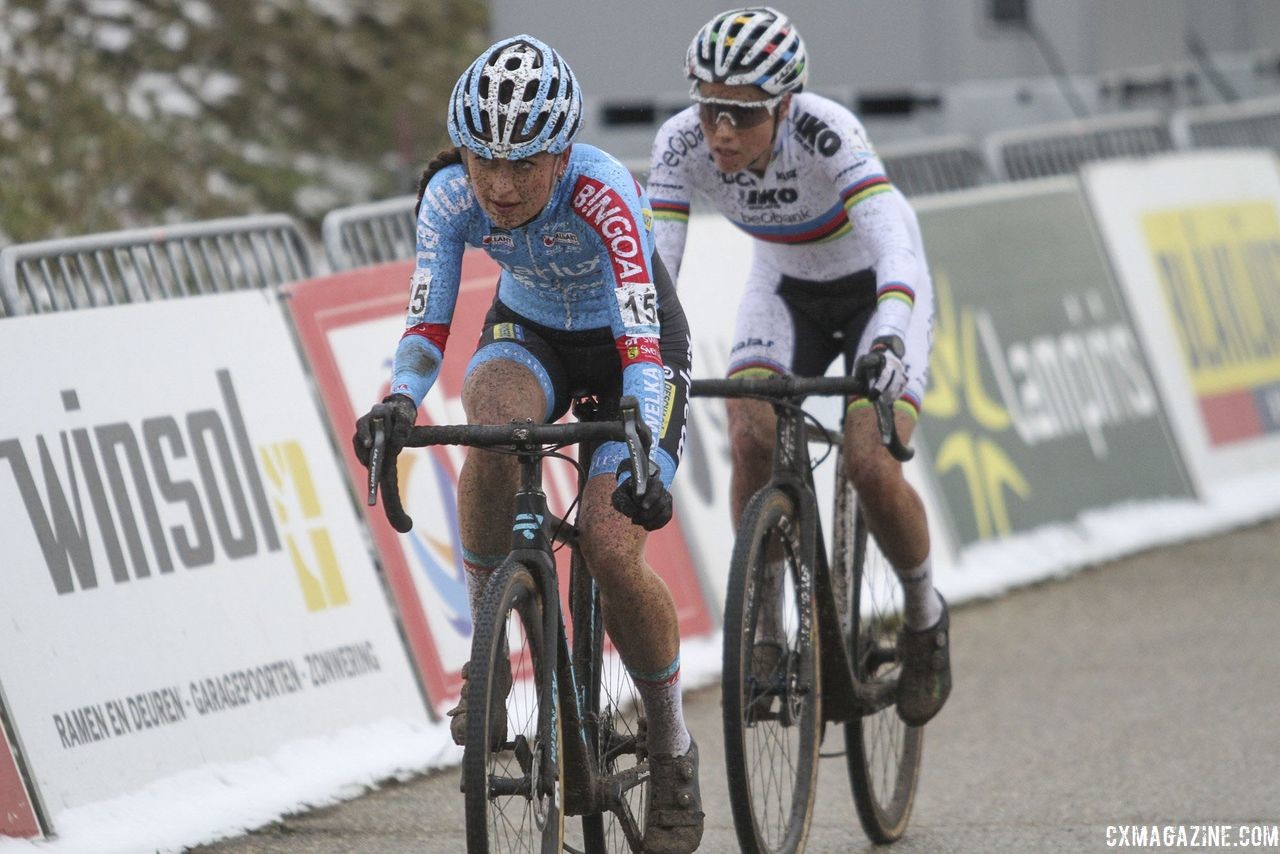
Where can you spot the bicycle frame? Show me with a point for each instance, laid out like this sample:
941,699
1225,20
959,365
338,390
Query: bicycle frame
534,529
844,696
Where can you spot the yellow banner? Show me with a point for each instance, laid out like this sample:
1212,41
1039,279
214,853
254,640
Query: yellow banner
1219,270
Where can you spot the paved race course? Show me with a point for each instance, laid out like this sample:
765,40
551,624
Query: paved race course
1143,692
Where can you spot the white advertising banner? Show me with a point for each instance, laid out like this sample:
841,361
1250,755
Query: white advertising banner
185,580
1195,240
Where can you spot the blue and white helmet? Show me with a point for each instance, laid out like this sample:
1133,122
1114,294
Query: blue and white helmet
754,46
518,98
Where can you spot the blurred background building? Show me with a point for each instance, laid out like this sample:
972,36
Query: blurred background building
912,69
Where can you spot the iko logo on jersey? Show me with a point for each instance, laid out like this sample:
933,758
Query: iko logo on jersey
815,135
604,211
772,198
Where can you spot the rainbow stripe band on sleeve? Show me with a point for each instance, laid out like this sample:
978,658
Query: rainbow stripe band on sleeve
864,189
895,291
907,404
670,211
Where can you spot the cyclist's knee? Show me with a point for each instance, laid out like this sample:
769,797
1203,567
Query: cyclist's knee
501,390
751,431
611,544
608,537
873,474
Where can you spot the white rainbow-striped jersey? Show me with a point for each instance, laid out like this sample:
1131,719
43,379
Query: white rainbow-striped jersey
823,210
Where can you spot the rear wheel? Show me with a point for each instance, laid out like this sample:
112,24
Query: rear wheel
511,770
883,753
771,693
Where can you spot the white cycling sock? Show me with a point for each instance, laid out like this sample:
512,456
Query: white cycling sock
921,605
664,709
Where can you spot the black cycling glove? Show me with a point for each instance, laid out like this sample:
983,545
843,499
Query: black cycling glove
650,511
397,413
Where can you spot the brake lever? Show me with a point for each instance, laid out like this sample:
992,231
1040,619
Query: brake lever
869,366
636,444
376,456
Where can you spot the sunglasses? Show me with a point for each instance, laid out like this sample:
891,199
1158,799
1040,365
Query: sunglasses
741,114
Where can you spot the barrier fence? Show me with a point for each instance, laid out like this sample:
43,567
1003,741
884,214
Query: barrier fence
1254,123
141,265
374,233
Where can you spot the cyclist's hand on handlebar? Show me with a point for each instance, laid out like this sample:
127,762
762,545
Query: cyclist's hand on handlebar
883,367
397,413
650,511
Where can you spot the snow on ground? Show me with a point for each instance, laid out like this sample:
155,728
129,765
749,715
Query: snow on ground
221,800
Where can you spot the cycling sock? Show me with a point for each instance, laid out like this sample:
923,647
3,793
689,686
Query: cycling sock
664,709
478,568
922,606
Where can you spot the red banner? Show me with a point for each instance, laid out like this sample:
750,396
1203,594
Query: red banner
349,326
17,816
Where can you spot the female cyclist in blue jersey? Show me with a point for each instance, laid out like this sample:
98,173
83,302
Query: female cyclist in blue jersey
838,267
583,306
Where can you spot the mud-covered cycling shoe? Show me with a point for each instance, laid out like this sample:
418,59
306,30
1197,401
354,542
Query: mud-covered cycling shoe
768,669
497,724
925,681
673,823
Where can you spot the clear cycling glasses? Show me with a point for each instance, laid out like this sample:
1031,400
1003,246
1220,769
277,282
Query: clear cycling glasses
742,115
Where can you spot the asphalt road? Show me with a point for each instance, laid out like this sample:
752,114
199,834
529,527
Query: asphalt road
1143,692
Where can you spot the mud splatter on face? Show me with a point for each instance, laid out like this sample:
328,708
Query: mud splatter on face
513,192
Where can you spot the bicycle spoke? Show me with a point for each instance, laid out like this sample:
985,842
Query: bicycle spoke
509,806
772,707
883,752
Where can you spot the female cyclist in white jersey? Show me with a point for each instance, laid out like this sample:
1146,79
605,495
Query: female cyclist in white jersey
838,267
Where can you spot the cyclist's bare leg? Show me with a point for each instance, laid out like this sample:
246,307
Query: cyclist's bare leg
639,613
752,434
752,427
494,392
894,512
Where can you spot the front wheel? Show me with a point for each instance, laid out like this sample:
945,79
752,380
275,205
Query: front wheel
772,698
614,726
883,753
512,771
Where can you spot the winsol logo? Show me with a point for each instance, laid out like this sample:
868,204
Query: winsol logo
133,478
297,506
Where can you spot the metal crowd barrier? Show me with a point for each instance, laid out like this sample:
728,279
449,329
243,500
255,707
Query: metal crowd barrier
153,263
1253,123
373,233
1060,148
919,168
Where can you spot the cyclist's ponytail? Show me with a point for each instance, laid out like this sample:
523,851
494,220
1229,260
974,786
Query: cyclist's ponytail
445,157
